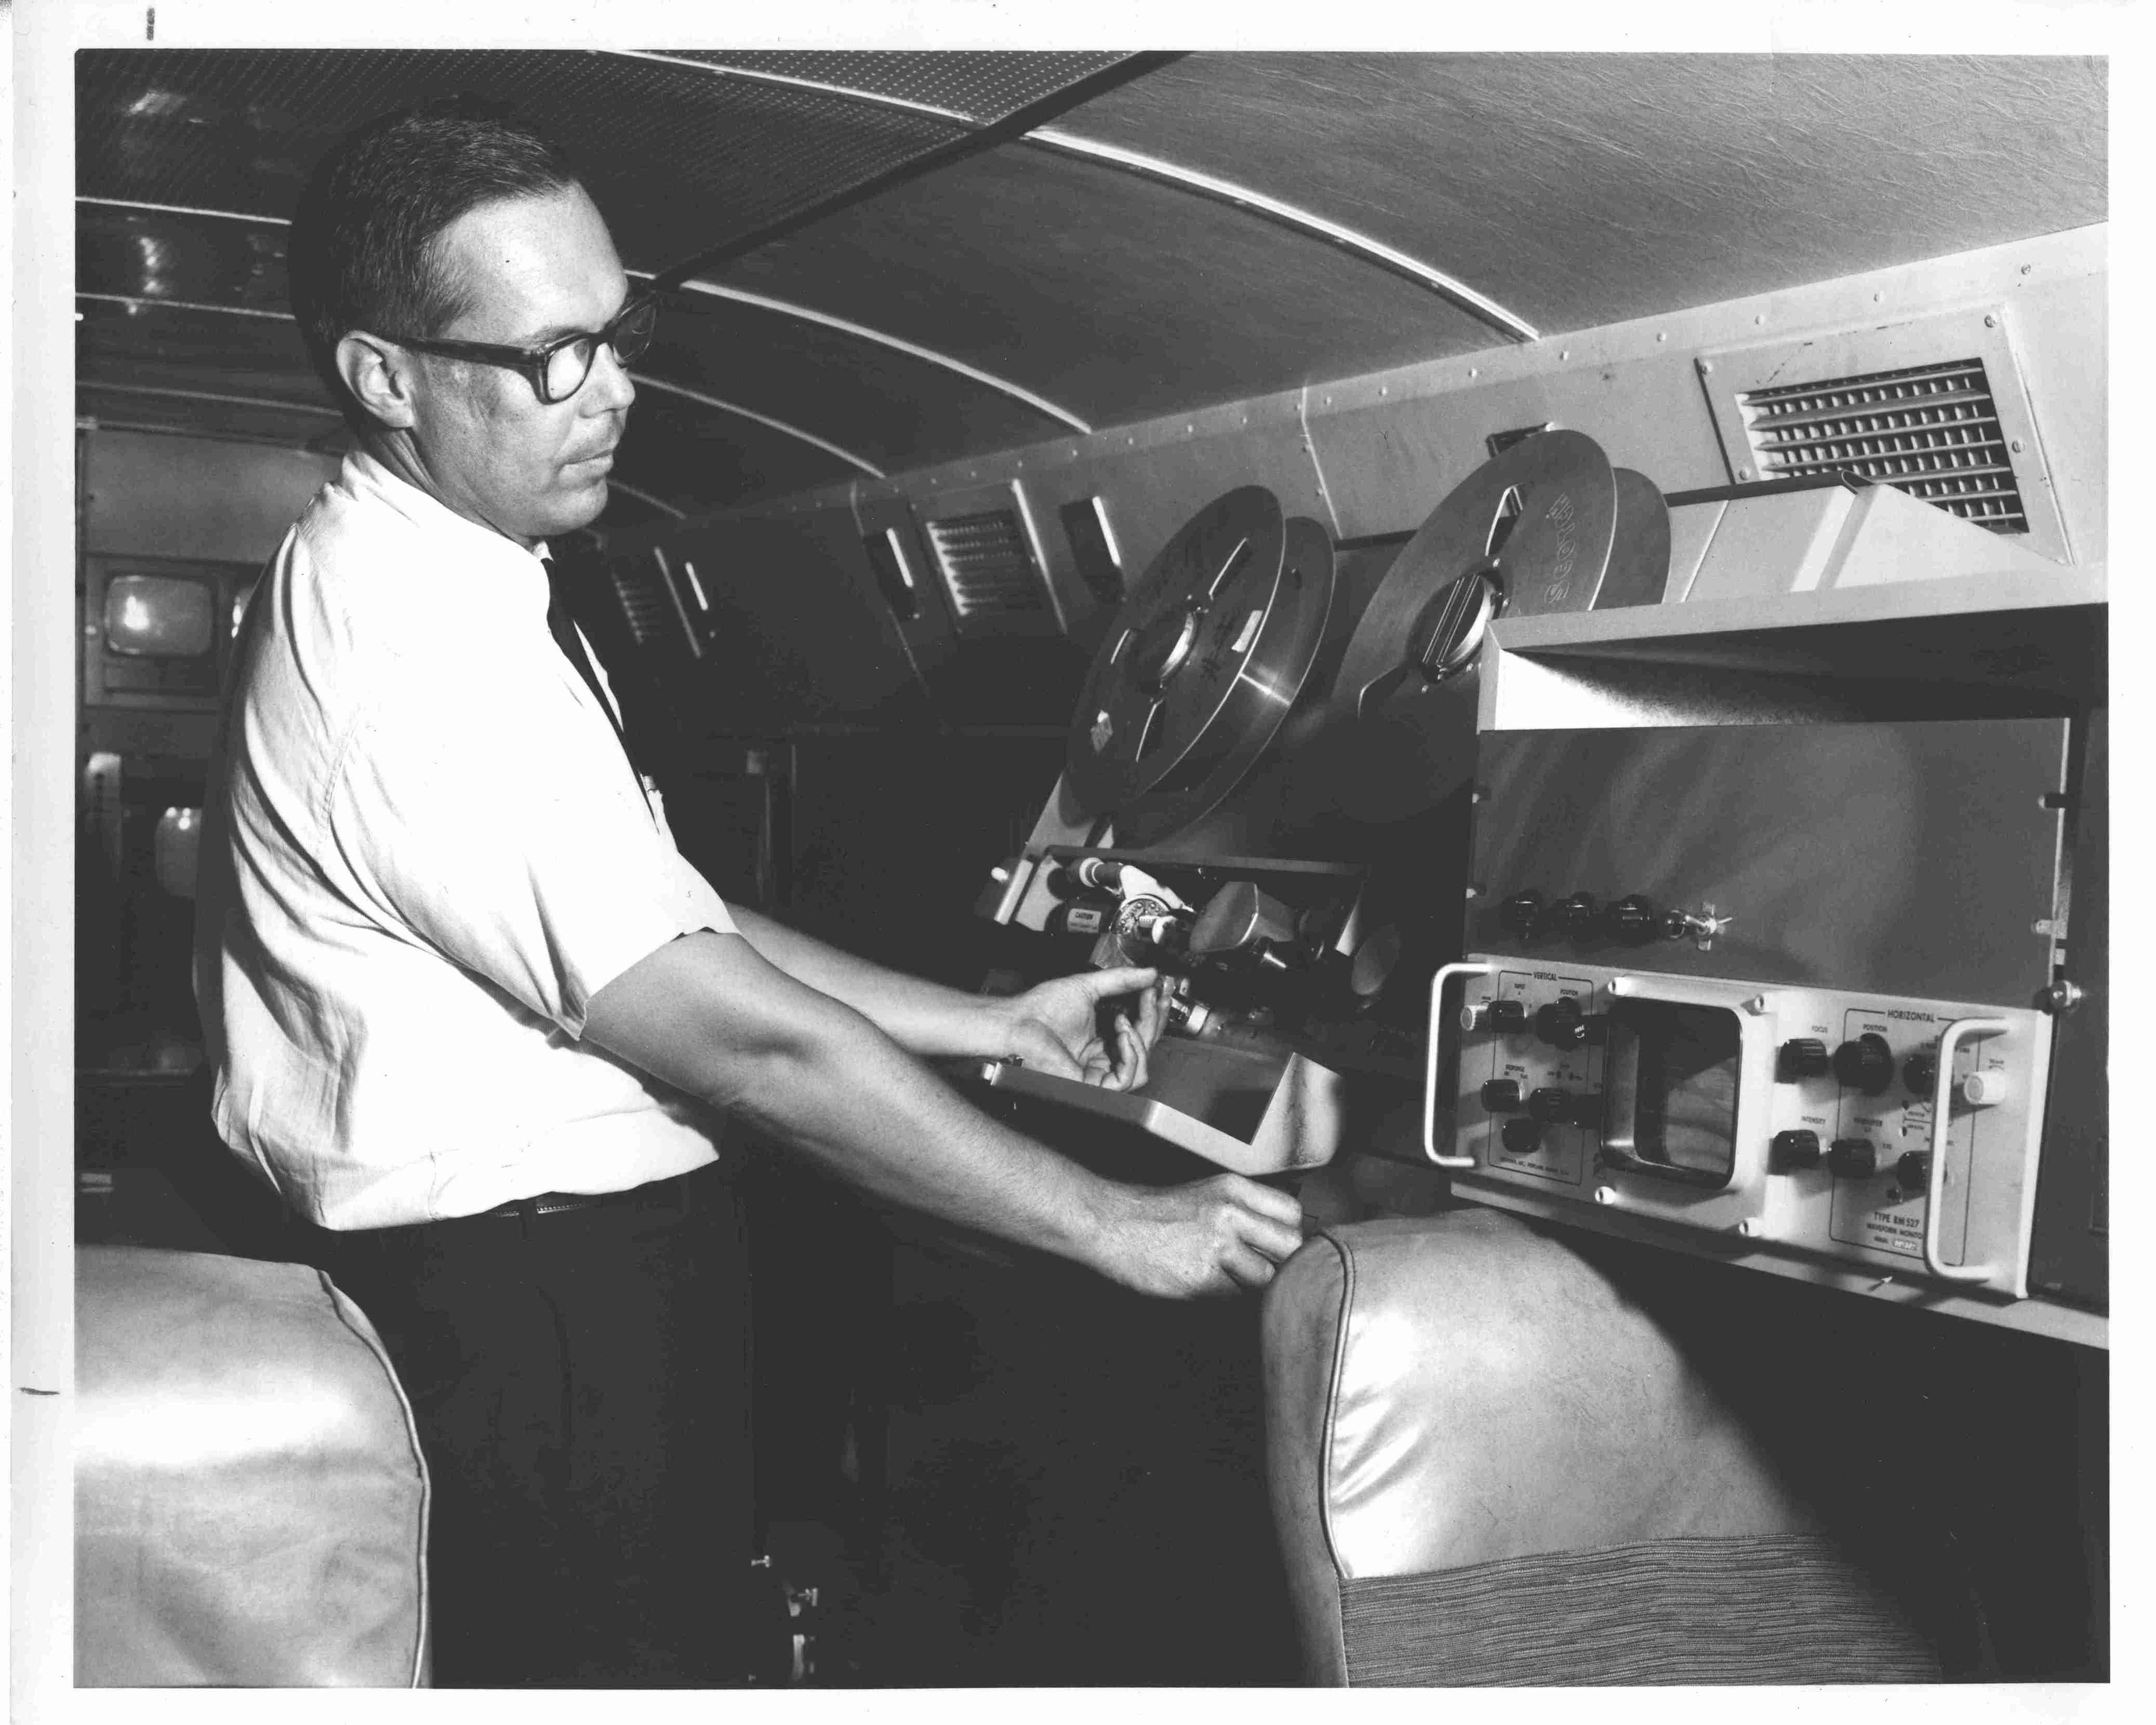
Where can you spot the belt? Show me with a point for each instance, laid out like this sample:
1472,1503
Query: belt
672,1194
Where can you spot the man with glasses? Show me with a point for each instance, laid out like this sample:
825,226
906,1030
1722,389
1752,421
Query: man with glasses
474,1017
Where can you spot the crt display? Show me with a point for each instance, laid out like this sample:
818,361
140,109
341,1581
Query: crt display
1671,1102
160,616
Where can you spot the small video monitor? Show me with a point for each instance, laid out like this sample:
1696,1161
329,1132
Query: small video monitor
159,616
157,631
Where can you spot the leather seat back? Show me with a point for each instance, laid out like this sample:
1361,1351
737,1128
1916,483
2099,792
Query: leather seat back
1487,1465
250,1498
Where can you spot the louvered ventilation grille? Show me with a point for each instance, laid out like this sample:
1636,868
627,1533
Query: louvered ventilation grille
642,602
987,568
1932,431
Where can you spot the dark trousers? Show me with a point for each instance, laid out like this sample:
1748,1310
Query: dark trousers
580,1383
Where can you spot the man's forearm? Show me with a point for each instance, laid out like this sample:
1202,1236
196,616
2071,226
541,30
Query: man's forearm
815,1075
711,1015
923,1017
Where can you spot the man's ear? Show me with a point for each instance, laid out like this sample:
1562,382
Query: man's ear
381,376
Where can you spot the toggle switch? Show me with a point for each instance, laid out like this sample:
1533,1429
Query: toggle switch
1985,1090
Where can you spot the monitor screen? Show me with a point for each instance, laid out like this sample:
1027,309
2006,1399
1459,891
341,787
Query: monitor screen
159,616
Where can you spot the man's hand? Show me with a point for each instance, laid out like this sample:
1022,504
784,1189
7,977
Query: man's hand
1216,1237
1055,1027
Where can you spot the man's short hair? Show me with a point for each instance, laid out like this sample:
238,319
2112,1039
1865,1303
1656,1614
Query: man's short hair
365,248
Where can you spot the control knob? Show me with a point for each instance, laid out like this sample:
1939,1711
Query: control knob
1503,1017
1921,1073
1792,1150
1502,1096
1802,1057
1521,1134
1912,1171
1521,914
1633,921
1867,1064
1853,1159
1576,917
1563,1025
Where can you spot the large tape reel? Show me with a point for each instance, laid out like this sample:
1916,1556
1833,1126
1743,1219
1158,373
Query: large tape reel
1200,666
1530,532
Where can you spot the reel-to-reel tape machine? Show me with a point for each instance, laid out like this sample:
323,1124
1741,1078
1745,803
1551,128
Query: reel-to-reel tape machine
1214,658
1263,775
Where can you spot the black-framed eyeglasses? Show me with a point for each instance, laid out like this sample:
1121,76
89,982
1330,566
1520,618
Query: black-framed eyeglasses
558,370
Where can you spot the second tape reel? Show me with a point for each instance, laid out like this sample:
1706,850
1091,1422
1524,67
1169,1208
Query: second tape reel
1548,526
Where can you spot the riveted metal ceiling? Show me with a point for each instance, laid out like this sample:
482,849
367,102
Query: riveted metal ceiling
1138,238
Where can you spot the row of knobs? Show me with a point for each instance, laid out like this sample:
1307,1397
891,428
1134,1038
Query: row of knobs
1562,1024
1850,1159
1632,919
1866,1064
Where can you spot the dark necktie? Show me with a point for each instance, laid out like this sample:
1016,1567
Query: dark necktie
563,628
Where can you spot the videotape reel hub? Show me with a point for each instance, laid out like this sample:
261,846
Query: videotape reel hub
1529,532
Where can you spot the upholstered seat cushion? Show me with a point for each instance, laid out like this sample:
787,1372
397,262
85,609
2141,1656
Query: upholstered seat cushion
251,1500
1488,1464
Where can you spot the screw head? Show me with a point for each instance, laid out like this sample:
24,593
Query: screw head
1990,322
1706,366
2016,446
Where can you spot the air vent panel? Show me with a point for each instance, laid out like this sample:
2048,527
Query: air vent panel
987,567
1933,431
641,603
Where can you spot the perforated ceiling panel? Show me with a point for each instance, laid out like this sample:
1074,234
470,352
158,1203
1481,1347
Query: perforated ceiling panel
983,87
1585,189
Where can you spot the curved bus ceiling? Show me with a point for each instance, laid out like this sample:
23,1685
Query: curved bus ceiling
898,261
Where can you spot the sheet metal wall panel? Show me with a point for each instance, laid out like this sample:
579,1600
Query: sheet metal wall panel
681,451
1585,189
799,633
1389,460
1117,297
189,497
1153,484
2062,336
1896,859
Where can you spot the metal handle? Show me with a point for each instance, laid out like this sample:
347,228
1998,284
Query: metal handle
1935,1178
1430,1062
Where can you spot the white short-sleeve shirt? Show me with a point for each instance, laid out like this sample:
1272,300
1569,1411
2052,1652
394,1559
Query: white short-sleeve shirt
426,852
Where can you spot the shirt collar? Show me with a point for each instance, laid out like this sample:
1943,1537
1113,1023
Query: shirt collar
369,480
